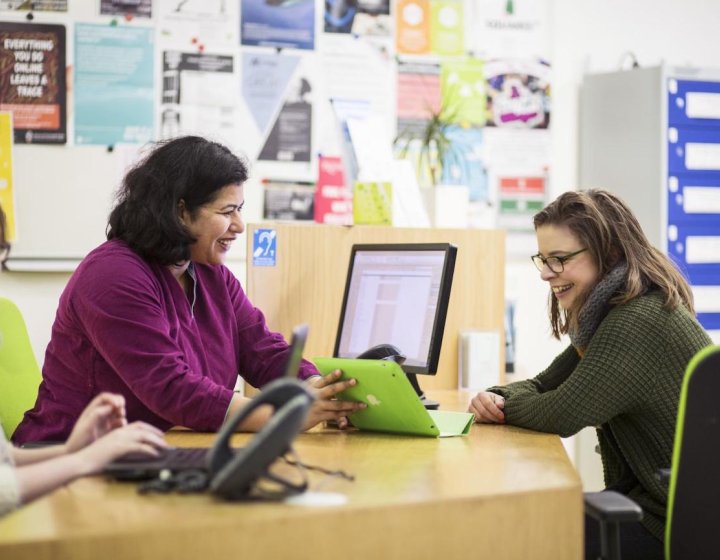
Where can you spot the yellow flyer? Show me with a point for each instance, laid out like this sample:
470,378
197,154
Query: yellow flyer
372,203
6,172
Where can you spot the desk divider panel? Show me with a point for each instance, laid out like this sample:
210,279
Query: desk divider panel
304,283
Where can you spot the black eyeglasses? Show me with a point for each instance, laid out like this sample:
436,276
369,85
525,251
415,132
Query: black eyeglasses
556,264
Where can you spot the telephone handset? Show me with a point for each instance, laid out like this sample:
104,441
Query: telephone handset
233,472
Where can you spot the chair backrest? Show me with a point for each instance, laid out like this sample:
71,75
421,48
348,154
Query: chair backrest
694,492
19,371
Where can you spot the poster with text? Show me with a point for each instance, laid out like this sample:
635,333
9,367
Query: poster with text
333,197
502,29
114,70
290,136
283,23
32,81
7,198
36,5
135,8
412,23
418,96
198,24
447,32
199,96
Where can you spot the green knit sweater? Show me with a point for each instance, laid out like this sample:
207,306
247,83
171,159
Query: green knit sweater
627,385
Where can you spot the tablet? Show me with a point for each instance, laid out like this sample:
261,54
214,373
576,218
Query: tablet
393,406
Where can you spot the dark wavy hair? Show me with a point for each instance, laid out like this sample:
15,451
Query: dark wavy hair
146,214
611,233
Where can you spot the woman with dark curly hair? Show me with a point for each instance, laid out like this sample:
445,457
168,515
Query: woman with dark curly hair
154,315
629,315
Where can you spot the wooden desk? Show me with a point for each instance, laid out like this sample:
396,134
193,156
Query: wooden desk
502,493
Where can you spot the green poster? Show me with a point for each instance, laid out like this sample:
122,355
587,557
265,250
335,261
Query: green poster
464,99
446,27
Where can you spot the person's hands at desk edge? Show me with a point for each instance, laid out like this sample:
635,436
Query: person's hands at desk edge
100,435
488,408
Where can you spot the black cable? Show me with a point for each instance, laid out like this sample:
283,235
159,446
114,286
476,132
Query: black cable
330,472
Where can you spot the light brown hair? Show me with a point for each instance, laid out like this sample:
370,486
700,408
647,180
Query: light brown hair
611,233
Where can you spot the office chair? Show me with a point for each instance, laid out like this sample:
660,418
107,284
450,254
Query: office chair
694,491
19,371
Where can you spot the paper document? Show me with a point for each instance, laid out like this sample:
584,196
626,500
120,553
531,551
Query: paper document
452,423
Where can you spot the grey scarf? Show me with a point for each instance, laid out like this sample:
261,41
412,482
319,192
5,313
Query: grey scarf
597,306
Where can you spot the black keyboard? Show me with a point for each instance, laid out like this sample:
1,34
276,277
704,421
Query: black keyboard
173,459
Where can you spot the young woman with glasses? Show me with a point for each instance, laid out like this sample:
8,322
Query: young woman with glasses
629,315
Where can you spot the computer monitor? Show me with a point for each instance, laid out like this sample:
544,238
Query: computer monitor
397,294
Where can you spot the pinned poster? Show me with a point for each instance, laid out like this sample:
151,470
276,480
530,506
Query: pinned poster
521,195
359,17
510,29
412,22
447,34
265,80
418,96
518,94
199,96
277,107
7,200
32,82
372,203
134,8
288,200
463,91
333,198
201,24
283,23
114,75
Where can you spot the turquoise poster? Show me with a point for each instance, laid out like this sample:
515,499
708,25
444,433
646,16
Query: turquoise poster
113,85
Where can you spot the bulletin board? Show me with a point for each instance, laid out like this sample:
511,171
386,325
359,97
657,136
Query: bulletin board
275,81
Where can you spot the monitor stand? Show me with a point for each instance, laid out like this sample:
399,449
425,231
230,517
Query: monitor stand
429,404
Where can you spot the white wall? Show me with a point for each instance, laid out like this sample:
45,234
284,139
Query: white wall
588,36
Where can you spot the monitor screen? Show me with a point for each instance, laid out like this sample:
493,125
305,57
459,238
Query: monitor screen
397,294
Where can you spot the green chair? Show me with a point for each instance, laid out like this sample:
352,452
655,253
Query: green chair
19,371
694,491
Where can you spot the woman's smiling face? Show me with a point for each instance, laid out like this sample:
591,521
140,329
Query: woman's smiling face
579,274
216,225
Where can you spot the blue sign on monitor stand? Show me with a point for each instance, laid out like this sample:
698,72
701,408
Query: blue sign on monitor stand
264,247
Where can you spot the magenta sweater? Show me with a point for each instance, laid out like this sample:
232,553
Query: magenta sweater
124,325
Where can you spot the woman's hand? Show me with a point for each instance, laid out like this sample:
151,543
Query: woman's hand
326,407
137,437
488,408
104,413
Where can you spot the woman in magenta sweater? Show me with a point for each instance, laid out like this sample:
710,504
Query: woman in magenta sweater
153,314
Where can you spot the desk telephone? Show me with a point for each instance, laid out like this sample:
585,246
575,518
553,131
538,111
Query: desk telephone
234,473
